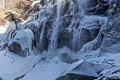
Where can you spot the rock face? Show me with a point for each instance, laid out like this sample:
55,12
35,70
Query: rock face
90,6
96,7
90,28
111,35
80,28
87,29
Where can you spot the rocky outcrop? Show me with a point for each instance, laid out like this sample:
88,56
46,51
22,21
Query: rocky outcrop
71,30
111,35
58,24
83,70
22,44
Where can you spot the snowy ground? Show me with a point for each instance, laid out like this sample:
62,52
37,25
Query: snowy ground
2,29
13,67
49,71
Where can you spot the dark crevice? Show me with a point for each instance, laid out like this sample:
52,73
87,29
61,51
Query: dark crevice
22,76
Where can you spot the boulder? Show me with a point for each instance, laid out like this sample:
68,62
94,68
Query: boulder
80,70
22,44
90,28
75,77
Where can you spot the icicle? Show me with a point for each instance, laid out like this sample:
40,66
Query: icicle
42,34
56,26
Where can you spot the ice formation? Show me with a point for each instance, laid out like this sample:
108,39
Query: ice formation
66,40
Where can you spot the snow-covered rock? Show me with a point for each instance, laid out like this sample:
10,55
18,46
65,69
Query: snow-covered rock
47,71
64,31
22,44
111,38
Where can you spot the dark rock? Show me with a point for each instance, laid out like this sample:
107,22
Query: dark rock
102,7
15,47
64,39
72,76
96,7
90,6
1,78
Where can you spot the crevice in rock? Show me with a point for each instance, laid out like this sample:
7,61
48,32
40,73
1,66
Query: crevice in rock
22,76
6,51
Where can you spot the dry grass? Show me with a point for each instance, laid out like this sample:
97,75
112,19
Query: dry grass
2,15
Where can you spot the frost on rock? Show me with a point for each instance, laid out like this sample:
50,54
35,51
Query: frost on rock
111,36
80,68
22,44
62,33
